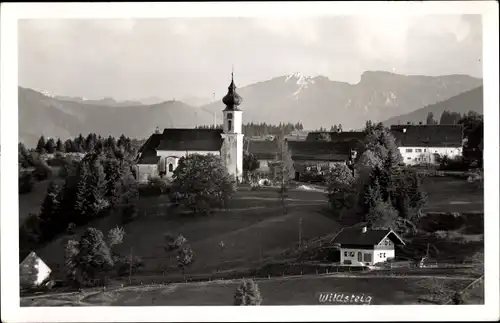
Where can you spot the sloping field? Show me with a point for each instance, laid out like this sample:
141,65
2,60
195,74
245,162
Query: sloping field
247,232
298,291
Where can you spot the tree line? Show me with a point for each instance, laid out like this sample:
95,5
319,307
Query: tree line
448,117
263,129
82,144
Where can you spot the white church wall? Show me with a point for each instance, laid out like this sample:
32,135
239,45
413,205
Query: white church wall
171,157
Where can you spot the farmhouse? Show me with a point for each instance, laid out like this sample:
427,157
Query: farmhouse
426,144
160,154
360,246
307,156
33,271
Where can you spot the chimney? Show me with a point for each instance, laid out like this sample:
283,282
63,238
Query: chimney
363,229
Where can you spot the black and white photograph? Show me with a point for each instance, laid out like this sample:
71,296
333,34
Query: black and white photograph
173,158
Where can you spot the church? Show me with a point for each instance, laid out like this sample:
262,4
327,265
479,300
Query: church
160,154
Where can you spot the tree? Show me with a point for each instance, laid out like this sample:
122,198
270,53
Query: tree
50,215
250,162
40,147
247,293
324,136
59,145
284,170
185,257
24,159
50,146
88,259
115,236
25,182
473,136
84,191
340,187
430,119
201,182
99,188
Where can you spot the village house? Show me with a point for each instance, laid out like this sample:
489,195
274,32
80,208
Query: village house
360,246
160,154
427,144
33,271
307,156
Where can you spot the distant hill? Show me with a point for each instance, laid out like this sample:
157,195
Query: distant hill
105,101
52,117
317,101
464,102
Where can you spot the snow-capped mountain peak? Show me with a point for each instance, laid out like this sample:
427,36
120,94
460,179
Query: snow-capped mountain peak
301,80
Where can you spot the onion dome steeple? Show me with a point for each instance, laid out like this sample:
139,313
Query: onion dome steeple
232,99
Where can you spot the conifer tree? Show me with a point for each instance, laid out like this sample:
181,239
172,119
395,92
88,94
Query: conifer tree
40,147
50,146
59,145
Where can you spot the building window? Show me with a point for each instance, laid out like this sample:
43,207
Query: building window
425,150
368,257
408,158
409,150
418,150
360,256
351,253
170,168
229,116
229,125
382,255
345,253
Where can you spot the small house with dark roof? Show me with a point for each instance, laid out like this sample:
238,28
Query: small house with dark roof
426,144
160,154
307,156
360,246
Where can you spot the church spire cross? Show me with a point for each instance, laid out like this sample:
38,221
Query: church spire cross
232,99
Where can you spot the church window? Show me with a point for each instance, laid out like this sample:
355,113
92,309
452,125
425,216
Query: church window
170,167
229,116
229,125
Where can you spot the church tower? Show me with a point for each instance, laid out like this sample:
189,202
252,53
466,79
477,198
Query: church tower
232,148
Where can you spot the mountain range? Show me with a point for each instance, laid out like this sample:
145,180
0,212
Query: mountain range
464,102
313,100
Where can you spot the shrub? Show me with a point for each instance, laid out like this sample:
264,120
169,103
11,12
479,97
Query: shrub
57,161
185,257
457,163
174,243
247,293
42,170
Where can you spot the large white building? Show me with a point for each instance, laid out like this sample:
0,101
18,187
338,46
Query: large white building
426,144
160,155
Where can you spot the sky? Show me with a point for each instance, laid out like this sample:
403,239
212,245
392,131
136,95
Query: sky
178,57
